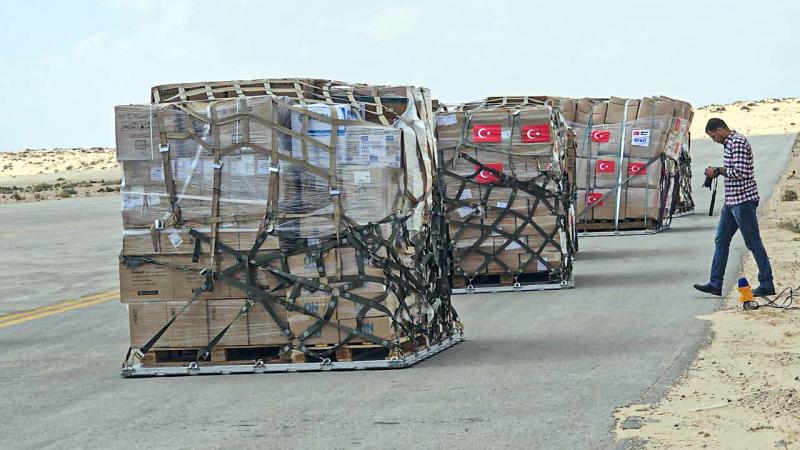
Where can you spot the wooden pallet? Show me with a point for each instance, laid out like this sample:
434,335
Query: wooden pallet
222,355
494,280
608,225
359,352
219,355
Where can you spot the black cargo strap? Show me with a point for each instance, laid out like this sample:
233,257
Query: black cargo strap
613,190
365,241
553,201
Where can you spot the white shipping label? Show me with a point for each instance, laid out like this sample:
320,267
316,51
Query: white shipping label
248,165
134,198
362,177
502,205
466,194
445,120
175,239
208,168
513,245
372,147
157,173
183,168
640,138
464,211
262,167
153,199
233,167
541,267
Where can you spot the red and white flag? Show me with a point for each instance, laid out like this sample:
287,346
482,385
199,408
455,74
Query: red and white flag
637,168
486,176
605,166
535,134
490,133
593,199
601,136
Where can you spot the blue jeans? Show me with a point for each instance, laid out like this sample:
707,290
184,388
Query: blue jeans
739,217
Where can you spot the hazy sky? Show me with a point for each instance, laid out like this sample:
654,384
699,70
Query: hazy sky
64,65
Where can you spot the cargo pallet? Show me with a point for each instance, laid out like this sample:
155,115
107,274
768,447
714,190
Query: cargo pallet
506,283
259,366
684,213
632,228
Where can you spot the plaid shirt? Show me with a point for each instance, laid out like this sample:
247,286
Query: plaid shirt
740,185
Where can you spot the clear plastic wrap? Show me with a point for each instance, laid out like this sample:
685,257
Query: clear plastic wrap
317,209
623,171
515,224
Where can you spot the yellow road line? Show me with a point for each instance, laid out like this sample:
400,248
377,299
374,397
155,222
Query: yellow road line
46,311
51,307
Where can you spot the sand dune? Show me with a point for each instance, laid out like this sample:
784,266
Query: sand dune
759,117
93,170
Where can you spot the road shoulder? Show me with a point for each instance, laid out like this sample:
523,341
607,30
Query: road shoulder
743,389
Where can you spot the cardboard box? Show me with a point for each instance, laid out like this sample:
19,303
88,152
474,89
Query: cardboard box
641,203
642,175
348,309
262,329
255,327
449,128
146,318
145,282
339,261
602,209
380,327
617,113
190,328
221,313
583,111
301,323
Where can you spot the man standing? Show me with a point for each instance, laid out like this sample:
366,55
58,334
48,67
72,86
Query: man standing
739,212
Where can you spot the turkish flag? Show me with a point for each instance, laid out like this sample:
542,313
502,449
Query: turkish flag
678,124
487,177
605,166
601,136
637,168
487,133
535,134
593,199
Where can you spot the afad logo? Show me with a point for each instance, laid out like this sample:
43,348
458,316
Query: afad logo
486,176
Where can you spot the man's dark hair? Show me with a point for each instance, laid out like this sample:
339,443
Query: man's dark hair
715,124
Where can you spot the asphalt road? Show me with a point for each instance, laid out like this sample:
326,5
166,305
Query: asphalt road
539,370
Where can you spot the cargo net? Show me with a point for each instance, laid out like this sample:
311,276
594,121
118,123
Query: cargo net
683,200
506,195
625,172
286,222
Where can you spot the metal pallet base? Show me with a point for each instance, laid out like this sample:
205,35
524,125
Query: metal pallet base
137,370
620,232
683,214
568,284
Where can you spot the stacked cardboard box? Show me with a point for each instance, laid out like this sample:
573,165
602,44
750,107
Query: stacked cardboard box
284,219
504,176
624,169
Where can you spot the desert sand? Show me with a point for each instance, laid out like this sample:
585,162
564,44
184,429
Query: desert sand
743,390
37,175
758,117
